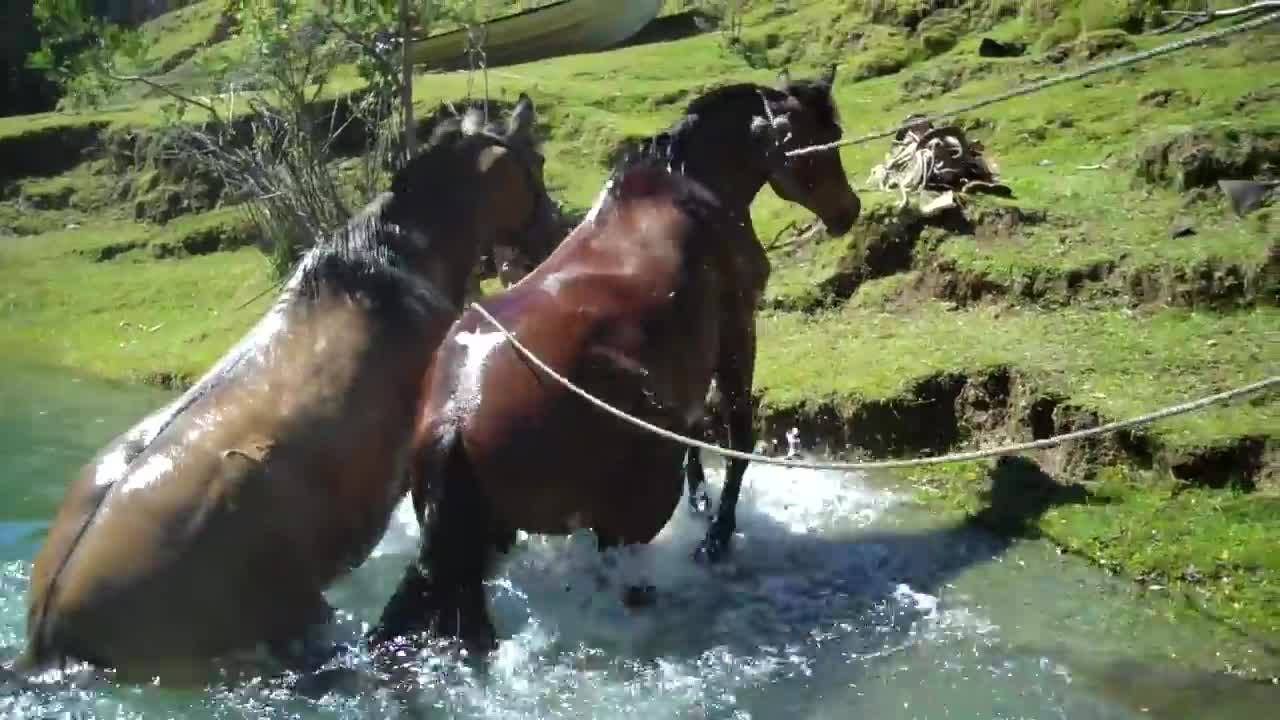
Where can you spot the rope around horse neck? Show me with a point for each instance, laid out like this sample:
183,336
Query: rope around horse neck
1204,39
1054,441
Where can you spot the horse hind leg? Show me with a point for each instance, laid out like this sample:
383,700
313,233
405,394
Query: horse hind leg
699,500
442,592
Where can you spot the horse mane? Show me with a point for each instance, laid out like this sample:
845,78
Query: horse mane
366,254
647,172
455,127
814,94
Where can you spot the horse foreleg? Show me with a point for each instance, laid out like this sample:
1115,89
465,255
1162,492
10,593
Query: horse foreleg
734,375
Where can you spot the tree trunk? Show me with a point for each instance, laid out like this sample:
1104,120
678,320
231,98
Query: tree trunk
406,84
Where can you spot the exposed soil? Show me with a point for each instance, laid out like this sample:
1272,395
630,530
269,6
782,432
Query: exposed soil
889,242
885,242
218,238
948,412
1210,284
46,152
1201,158
1091,47
110,252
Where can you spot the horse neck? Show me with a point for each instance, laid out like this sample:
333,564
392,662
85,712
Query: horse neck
365,259
729,169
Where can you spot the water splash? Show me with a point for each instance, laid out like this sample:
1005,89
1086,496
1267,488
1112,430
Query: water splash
828,604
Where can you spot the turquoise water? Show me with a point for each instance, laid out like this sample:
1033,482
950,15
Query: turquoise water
844,599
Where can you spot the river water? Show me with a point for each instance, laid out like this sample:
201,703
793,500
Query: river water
843,599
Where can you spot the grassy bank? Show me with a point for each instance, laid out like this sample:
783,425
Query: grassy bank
1115,281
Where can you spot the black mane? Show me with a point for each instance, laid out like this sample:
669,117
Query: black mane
728,94
669,143
814,94
362,257
650,174
369,254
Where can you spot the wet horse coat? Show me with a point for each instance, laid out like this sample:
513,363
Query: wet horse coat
647,300
635,292
718,144
215,524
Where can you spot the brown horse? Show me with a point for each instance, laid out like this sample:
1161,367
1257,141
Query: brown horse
513,256
707,149
212,527
652,295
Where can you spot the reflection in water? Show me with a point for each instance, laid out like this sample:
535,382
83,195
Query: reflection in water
842,599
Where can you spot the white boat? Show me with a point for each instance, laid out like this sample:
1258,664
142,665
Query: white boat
560,28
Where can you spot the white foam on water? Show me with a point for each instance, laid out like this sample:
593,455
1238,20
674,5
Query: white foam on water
823,606
570,647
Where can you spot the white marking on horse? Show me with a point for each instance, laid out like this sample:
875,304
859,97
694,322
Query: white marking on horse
151,470
479,345
112,466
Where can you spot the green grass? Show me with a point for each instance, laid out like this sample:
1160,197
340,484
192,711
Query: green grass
1114,361
180,31
133,317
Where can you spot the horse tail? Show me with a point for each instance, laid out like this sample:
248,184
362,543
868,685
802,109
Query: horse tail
413,603
442,455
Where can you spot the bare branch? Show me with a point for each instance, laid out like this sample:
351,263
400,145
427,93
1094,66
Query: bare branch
169,91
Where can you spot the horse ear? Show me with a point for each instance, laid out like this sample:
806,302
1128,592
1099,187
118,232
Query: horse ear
521,122
784,79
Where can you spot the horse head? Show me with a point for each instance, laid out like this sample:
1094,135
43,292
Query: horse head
489,180
806,115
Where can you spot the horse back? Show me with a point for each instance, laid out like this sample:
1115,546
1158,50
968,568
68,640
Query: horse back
631,292
243,472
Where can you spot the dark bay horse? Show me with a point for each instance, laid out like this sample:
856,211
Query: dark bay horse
652,295
210,528
707,144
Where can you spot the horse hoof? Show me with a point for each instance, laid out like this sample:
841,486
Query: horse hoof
700,504
637,596
712,550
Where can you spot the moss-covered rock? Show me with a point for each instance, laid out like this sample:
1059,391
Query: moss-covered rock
939,32
1199,158
881,51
